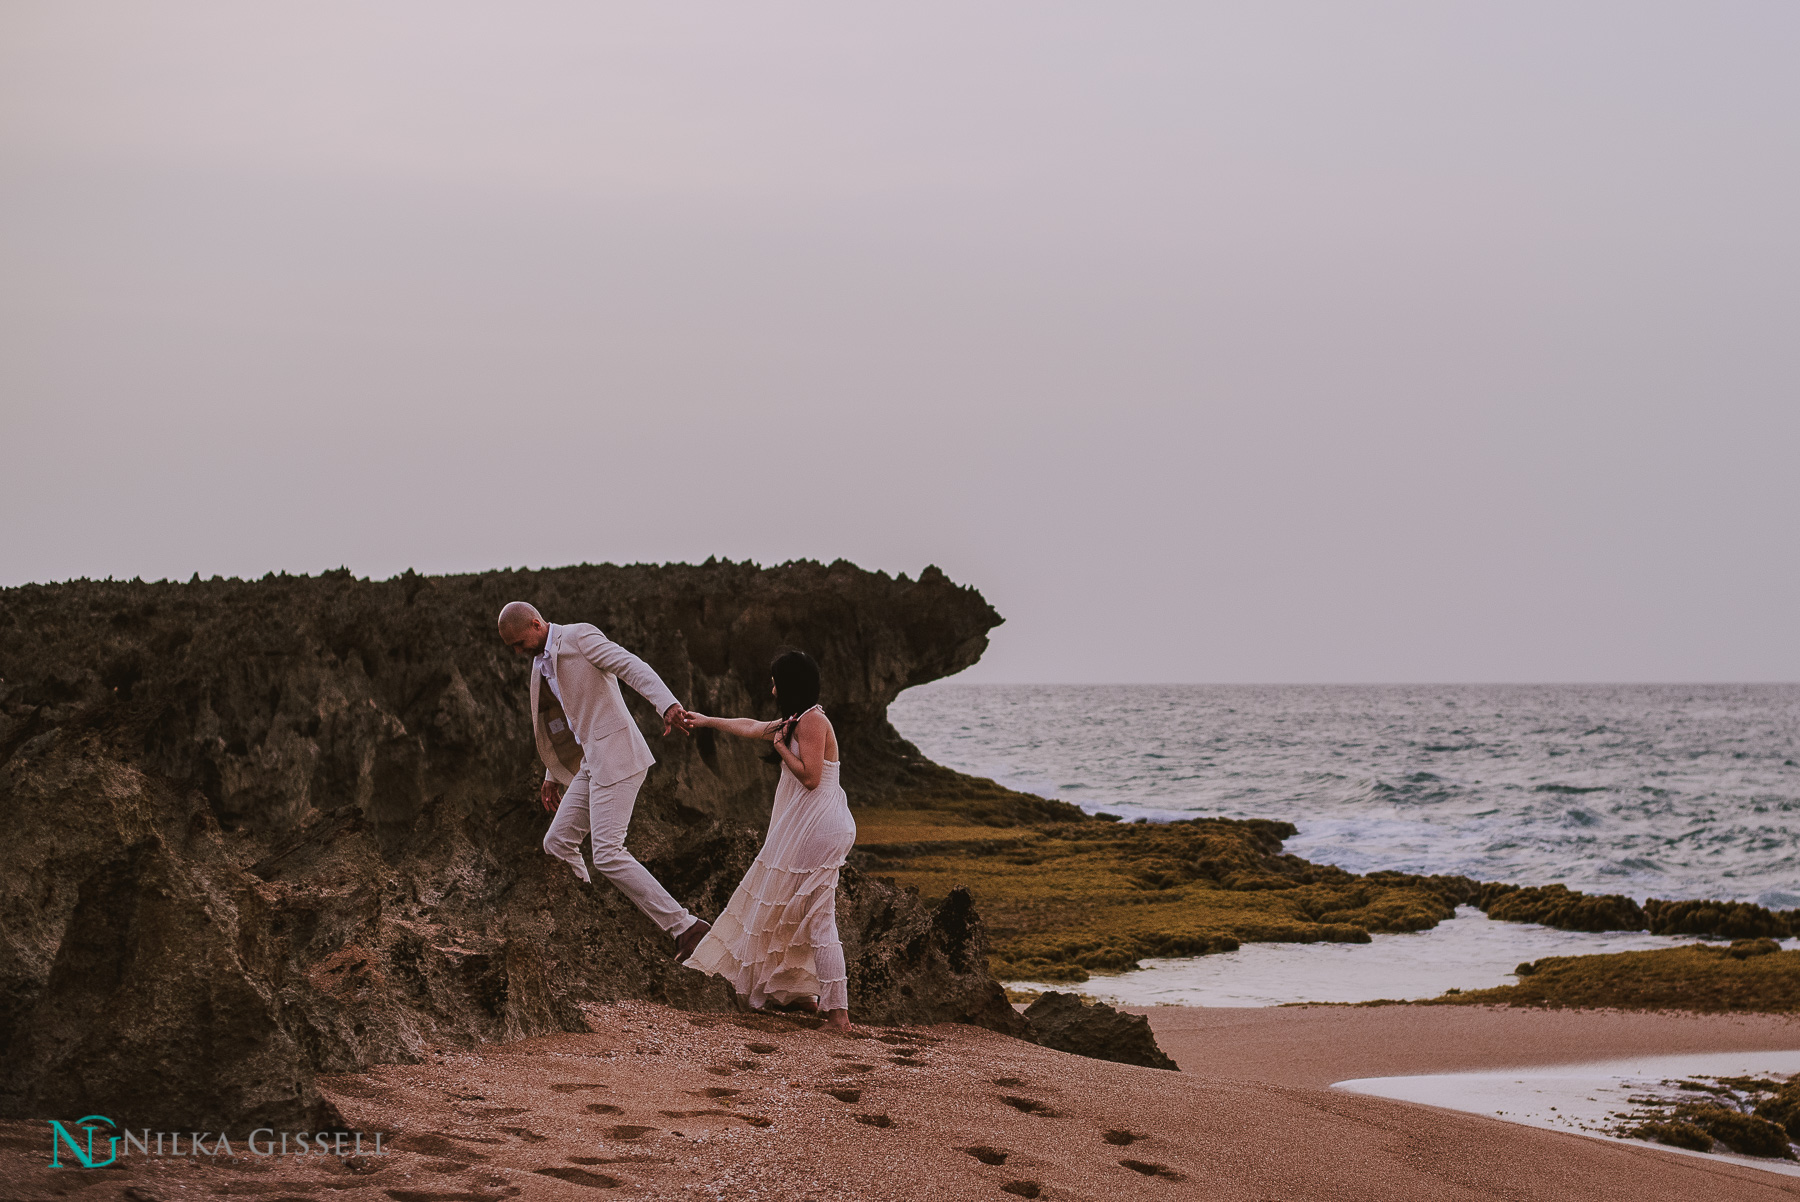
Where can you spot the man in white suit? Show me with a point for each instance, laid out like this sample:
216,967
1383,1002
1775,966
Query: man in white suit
595,758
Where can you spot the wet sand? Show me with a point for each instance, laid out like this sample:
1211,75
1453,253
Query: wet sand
1317,1045
658,1103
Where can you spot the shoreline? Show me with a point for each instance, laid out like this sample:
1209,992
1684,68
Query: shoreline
1318,1046
659,1103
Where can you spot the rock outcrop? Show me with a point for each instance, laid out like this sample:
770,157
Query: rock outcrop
1718,919
263,830
1064,1022
1564,908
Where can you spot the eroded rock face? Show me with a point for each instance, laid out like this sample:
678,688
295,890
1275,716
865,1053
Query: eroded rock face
914,966
1062,1021
261,830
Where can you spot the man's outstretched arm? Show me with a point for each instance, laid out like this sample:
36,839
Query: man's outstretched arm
608,656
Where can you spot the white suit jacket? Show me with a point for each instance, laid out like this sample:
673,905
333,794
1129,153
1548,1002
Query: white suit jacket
588,669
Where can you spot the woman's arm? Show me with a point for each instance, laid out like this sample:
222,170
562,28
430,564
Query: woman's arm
809,764
744,728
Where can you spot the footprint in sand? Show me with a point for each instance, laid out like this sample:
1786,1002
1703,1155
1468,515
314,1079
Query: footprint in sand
987,1155
1120,1138
573,1176
761,1049
1023,1189
639,1158
628,1131
438,1145
524,1133
755,1120
603,1108
1031,1106
720,1070
846,1095
1154,1170
444,1166
1008,1082
873,1120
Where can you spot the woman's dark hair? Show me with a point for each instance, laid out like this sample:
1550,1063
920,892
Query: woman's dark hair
796,679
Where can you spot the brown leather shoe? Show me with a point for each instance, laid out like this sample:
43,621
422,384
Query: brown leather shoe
688,940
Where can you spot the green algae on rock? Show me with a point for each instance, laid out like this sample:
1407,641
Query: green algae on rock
1717,919
1066,899
1565,909
1749,976
1570,910
1782,1105
1747,1115
1673,1132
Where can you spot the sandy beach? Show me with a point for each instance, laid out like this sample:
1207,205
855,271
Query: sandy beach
1313,1046
660,1103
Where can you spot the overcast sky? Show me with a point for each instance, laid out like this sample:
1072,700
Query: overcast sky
1259,342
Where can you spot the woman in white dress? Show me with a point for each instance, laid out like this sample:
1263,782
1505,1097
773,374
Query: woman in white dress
777,939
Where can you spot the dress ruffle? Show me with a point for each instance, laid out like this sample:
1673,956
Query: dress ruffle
777,939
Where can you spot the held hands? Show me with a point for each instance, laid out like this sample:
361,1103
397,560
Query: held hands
550,794
677,718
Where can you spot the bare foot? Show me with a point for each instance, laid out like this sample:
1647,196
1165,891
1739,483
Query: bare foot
838,1019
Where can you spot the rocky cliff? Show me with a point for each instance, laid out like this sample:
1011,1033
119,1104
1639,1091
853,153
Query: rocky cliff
263,830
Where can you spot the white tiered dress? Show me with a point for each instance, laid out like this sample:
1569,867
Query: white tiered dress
777,938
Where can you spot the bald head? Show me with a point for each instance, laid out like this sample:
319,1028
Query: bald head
522,628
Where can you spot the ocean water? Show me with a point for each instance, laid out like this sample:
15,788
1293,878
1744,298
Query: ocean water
1587,1099
1675,791
1466,952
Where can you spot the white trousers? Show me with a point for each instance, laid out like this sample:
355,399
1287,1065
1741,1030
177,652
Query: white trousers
604,812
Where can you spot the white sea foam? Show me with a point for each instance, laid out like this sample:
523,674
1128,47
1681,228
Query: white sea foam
1581,1098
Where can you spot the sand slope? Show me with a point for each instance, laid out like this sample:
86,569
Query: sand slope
659,1103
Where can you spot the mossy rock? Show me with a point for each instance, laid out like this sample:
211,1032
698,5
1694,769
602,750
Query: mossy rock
1064,899
1744,1133
1715,919
1676,1134
1783,1108
1696,977
1066,895
1564,908
1743,949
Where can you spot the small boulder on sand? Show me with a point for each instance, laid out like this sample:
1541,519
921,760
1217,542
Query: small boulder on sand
1064,1022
